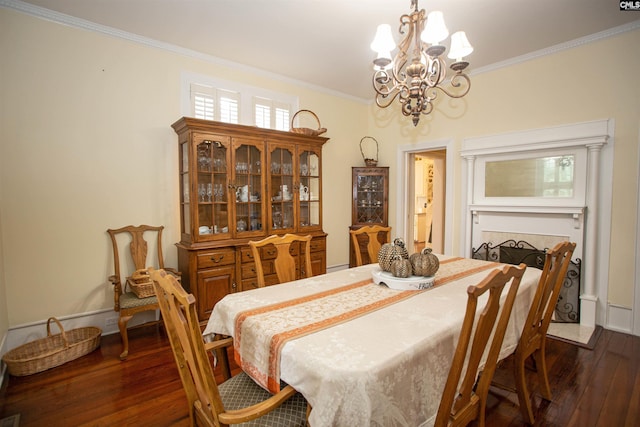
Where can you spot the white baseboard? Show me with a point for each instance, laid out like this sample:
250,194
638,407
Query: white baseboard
106,319
619,319
337,268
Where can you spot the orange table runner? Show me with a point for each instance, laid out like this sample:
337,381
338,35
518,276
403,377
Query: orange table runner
261,333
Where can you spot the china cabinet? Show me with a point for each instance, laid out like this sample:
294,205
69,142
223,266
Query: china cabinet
240,183
370,205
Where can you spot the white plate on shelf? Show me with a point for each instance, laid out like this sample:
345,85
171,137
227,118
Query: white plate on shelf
411,283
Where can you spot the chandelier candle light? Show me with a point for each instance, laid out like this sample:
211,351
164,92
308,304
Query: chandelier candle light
418,71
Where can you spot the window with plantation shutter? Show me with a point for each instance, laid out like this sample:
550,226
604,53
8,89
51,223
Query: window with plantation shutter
282,118
207,98
203,100
228,105
262,115
271,114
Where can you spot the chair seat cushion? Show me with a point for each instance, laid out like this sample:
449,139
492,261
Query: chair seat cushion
130,300
241,391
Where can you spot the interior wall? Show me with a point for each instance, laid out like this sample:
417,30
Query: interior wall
561,88
87,144
4,310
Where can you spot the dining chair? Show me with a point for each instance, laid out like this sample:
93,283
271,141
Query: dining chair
464,402
372,241
238,399
284,262
126,302
534,334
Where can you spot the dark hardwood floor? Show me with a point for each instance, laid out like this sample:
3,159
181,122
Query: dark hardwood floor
599,387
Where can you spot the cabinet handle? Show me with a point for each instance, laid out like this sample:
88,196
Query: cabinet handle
233,286
270,252
220,258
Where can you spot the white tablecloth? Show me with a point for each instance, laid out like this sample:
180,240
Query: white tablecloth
385,368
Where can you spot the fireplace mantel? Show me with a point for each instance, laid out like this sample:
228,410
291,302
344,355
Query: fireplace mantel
576,213
576,217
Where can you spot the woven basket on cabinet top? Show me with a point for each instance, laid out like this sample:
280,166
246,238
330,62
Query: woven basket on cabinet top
307,131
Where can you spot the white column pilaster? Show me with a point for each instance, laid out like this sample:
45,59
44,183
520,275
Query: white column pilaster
588,296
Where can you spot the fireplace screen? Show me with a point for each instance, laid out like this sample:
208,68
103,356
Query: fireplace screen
516,252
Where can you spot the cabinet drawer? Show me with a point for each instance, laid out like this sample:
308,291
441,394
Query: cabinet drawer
216,258
249,269
266,252
318,245
252,283
245,255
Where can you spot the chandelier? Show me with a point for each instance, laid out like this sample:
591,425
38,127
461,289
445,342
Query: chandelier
418,71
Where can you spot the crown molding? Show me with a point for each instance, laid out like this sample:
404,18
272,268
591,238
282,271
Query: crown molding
611,32
74,22
71,21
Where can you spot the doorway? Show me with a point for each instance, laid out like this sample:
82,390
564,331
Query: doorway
411,218
429,201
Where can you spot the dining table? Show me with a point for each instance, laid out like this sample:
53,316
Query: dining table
361,353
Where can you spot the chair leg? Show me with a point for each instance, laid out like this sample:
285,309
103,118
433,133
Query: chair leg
543,379
122,325
524,398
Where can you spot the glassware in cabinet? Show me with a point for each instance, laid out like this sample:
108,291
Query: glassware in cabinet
308,188
281,189
248,158
212,214
370,195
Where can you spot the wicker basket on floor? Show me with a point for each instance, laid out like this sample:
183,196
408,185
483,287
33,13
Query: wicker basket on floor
53,350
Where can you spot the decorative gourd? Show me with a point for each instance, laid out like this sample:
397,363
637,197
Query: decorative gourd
400,267
424,263
387,252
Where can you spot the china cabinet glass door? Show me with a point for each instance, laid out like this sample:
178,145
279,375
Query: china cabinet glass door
309,189
370,189
247,189
213,213
281,189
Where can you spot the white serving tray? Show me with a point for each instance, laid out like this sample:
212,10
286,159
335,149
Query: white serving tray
411,283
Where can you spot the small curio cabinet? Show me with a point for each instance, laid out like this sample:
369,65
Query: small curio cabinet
240,183
370,206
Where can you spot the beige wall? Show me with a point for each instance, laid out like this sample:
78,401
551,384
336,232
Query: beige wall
590,82
4,308
86,144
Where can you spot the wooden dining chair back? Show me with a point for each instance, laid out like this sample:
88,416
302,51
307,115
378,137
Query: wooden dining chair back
238,399
284,262
465,401
372,233
534,334
126,269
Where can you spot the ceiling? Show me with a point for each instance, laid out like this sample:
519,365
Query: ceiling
326,42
